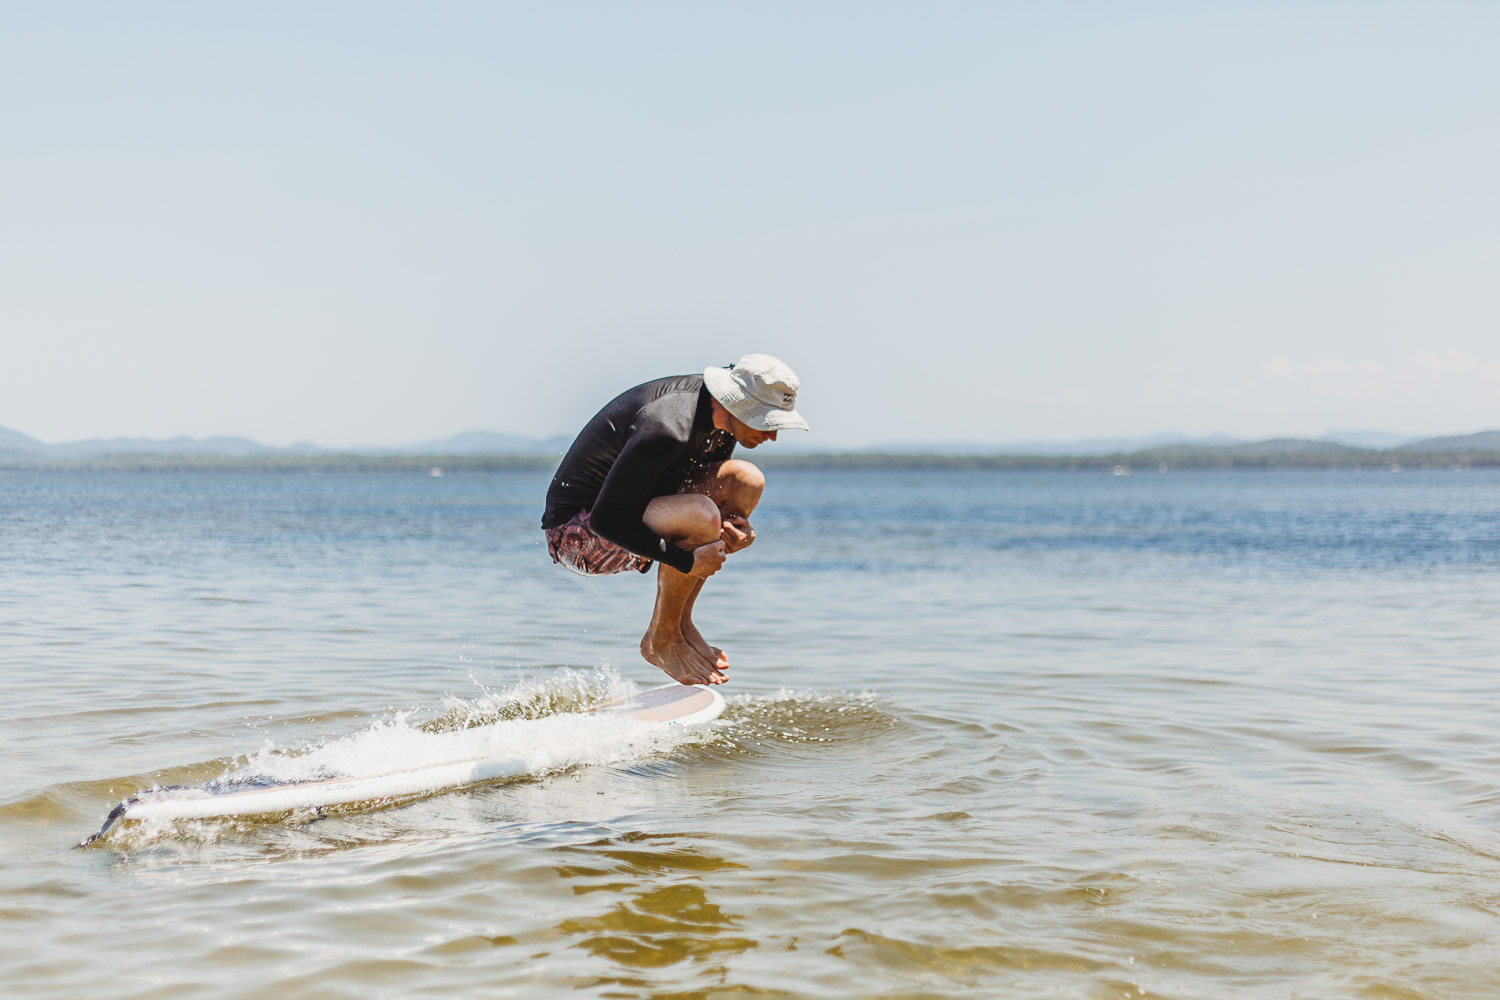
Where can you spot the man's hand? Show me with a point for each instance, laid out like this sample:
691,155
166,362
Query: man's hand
707,559
736,533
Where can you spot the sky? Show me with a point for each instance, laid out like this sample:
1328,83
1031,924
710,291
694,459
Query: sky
371,223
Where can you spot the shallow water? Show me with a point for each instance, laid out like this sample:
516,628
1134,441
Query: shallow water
1010,734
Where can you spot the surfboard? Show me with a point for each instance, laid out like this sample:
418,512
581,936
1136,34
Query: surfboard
670,704
677,704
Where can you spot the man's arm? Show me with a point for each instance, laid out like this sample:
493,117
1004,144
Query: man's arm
618,515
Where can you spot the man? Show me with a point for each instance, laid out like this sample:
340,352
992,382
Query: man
651,479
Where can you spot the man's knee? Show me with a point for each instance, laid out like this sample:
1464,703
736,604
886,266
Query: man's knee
742,484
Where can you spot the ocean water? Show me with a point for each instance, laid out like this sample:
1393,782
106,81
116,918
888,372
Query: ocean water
993,734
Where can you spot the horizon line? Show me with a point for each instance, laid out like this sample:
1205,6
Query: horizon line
1211,438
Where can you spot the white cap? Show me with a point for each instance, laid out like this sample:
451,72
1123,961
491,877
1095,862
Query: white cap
759,390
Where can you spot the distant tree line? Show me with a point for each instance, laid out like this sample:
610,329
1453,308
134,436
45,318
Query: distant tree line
1260,455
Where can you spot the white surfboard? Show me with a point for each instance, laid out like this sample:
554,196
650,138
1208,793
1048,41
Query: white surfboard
679,704
670,704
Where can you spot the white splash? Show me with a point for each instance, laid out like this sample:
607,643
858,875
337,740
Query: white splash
394,759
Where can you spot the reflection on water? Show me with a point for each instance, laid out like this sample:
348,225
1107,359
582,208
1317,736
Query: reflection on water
992,734
657,911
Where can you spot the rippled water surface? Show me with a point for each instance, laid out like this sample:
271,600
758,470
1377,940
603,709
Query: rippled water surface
991,734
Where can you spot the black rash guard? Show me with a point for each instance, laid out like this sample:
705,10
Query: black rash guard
644,444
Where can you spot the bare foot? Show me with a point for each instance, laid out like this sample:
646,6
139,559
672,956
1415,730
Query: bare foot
680,661
713,654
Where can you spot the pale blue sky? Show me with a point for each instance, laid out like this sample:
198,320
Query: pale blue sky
366,223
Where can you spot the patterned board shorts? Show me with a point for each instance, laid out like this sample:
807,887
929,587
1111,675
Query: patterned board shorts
575,546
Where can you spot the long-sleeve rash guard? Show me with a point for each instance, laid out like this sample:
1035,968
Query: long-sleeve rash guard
644,444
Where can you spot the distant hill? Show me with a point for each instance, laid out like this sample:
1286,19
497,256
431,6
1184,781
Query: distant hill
1115,446
15,445
802,444
1292,451
1290,446
1483,441
229,446
1367,439
485,449
488,443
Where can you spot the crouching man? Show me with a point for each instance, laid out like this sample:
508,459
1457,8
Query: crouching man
651,479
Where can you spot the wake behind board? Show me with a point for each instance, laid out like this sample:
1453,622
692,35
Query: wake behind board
670,704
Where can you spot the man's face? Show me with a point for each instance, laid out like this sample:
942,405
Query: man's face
744,435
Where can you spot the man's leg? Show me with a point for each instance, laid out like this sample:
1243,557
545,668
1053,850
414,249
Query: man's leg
735,486
686,521
695,638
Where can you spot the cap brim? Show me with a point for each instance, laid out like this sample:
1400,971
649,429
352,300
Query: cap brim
768,418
